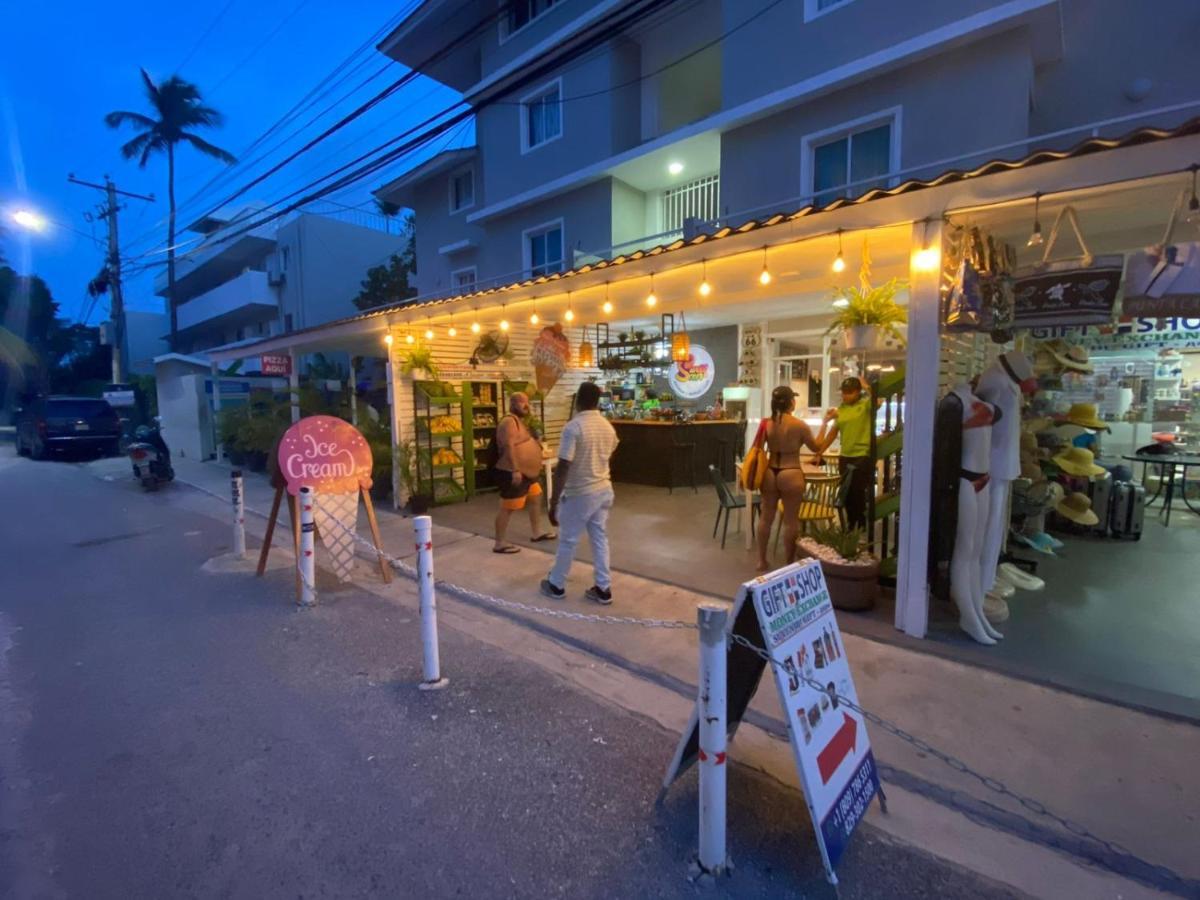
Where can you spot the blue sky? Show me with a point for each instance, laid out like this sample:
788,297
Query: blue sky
68,64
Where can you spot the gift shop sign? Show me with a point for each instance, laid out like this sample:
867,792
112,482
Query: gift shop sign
692,377
327,454
1142,333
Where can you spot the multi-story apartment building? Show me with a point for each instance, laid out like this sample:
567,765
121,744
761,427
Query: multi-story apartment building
274,278
609,125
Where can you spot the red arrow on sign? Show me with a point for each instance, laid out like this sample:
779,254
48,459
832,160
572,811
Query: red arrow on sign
838,748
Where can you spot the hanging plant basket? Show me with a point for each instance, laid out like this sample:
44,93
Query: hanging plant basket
861,337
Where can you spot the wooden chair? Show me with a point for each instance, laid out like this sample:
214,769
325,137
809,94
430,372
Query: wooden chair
728,502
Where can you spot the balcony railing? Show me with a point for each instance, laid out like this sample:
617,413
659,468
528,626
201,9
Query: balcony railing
248,296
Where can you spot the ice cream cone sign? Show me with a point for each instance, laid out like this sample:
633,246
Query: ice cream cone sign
550,355
327,454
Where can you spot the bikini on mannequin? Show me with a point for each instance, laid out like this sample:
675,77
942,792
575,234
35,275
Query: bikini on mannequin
1002,385
966,583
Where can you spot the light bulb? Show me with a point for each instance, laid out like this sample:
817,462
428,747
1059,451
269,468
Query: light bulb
607,307
570,315
387,339
429,334
504,324
926,259
706,288
408,338
764,277
452,331
839,262
475,328
533,318
651,300
841,303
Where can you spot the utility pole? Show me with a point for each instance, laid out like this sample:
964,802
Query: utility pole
108,211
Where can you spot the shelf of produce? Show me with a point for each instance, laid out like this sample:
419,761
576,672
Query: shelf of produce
450,491
440,434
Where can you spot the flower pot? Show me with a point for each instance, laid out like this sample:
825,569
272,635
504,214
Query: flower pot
419,375
851,587
861,337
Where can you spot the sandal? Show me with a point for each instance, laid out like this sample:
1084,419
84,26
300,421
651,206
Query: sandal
548,536
507,548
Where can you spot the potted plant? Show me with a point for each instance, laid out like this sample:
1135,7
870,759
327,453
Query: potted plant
406,462
851,573
419,364
865,311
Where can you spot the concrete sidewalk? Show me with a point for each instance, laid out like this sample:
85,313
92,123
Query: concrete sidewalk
1123,775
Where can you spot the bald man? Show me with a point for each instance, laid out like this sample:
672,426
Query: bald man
517,470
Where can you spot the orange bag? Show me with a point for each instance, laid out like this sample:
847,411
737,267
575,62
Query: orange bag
754,464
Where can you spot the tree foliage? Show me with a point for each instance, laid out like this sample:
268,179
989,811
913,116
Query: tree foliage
388,283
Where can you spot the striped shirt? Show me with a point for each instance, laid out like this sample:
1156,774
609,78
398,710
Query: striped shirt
587,443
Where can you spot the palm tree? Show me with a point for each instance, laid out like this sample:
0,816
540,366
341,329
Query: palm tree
178,107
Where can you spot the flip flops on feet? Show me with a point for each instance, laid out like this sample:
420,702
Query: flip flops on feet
548,536
507,548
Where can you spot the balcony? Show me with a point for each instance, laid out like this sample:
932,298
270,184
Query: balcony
241,300
217,259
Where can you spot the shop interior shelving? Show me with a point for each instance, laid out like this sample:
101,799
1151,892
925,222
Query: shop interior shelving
440,467
481,413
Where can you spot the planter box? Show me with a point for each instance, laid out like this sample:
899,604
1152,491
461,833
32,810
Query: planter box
852,588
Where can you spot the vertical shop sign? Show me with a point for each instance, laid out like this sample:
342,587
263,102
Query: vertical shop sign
796,622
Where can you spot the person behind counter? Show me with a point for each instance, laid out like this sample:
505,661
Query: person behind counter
852,422
783,482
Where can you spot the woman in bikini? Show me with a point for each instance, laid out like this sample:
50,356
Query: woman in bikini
783,481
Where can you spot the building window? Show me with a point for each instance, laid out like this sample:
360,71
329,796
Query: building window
541,116
463,279
462,190
544,249
815,8
521,13
852,159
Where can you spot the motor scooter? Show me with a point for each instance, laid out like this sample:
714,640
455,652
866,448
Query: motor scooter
151,457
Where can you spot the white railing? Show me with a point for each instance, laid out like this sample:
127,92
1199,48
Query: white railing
699,199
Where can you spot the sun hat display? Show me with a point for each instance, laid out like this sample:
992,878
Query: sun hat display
1019,578
1084,415
1076,358
1031,470
1056,493
995,608
1078,508
1029,443
1036,424
1078,461
1042,543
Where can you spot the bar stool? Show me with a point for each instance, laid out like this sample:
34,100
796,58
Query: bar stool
687,450
724,452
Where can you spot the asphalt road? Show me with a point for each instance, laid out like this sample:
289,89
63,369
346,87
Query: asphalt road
165,732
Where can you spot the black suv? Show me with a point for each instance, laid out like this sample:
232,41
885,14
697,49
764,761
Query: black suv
60,422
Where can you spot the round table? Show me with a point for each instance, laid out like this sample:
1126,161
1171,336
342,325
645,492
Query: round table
1170,462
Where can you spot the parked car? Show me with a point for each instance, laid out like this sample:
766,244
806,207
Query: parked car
56,423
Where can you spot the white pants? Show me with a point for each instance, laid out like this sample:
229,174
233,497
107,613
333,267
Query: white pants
997,526
588,511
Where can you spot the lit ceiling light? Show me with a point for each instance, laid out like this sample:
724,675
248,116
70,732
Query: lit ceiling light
452,331
607,307
675,168
28,219
474,328
839,261
841,303
928,257
1035,239
429,334
408,338
652,298
705,288
764,277
533,316
503,319
387,339
874,367
570,313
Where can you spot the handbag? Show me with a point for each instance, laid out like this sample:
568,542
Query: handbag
965,302
1164,279
1080,290
754,464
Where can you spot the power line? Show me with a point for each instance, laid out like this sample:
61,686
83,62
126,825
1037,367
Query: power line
203,37
258,47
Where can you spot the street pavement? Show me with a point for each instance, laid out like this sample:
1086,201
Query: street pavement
166,732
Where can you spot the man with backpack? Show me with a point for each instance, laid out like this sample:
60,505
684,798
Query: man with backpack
518,464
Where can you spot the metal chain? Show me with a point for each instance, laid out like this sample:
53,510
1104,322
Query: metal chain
992,784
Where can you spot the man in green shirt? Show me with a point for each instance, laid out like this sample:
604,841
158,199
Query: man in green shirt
852,422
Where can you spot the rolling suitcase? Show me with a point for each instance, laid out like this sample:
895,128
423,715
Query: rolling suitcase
1100,493
1128,510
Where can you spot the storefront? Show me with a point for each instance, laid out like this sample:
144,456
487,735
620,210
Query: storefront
747,332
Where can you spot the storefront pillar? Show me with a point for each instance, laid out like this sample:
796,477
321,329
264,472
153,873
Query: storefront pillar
393,399
216,411
920,396
294,386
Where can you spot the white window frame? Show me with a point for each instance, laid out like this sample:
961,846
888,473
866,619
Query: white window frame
450,189
454,273
524,106
811,12
891,116
506,35
527,257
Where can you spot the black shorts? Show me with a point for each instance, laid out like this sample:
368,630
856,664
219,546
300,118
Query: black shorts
512,496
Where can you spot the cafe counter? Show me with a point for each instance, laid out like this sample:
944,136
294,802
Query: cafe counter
674,454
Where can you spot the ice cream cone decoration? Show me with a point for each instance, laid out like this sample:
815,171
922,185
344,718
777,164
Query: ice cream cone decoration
550,355
337,522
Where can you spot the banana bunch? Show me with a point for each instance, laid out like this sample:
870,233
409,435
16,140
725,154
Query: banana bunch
443,424
444,456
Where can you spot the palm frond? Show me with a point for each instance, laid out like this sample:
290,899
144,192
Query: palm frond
121,116
209,149
135,147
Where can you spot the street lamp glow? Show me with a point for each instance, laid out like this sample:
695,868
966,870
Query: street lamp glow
28,219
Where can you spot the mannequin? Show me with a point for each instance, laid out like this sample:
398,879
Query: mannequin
966,582
1002,385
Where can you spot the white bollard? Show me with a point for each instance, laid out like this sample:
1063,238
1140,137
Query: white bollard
239,513
308,556
423,528
712,714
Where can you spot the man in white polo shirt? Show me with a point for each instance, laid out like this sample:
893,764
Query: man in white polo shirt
583,495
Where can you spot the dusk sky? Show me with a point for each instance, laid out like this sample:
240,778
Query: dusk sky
255,62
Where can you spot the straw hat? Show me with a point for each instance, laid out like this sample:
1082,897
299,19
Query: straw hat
1078,461
1078,508
1084,415
1031,470
1029,443
1036,424
1056,493
1076,358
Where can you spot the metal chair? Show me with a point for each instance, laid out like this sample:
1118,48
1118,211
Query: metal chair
728,502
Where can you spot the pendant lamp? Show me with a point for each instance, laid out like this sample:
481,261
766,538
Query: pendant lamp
681,344
587,355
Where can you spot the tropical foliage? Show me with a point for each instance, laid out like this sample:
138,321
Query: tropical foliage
867,304
848,544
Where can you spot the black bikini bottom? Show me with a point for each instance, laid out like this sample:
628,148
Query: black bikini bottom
978,480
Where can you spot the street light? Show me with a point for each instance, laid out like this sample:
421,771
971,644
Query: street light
29,220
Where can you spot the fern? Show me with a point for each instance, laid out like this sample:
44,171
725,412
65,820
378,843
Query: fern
866,305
